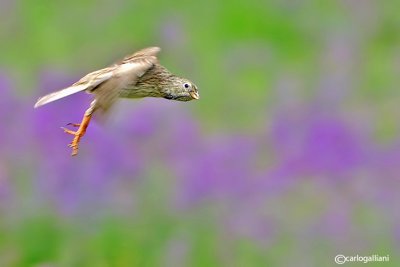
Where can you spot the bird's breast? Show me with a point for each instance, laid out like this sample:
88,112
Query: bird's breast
138,91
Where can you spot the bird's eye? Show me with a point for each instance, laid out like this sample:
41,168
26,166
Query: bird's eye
186,85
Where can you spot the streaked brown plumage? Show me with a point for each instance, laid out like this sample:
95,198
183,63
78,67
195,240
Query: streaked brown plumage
136,76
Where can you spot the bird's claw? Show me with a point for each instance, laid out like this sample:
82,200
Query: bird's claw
68,131
74,124
74,144
78,134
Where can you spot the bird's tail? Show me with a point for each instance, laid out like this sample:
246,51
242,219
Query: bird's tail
60,94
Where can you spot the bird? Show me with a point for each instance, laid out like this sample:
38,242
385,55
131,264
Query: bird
136,76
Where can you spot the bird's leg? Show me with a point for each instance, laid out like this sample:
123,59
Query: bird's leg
78,134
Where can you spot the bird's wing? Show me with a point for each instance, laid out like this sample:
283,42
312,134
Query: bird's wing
106,83
88,82
126,73
146,52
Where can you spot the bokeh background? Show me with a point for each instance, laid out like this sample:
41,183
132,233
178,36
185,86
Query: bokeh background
291,156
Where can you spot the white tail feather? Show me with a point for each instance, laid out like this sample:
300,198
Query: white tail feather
88,82
59,94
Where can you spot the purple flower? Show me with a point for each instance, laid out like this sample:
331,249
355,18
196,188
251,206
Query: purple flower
318,145
222,168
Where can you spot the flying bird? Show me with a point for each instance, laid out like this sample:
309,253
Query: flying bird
136,76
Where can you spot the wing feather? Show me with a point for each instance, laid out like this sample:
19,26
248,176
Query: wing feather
107,83
124,76
146,52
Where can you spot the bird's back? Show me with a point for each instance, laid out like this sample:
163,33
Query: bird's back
149,84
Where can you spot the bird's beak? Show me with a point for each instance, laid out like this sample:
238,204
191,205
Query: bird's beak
194,94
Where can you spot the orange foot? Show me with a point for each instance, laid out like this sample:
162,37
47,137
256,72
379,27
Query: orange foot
78,134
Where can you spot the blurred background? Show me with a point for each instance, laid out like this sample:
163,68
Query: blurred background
290,157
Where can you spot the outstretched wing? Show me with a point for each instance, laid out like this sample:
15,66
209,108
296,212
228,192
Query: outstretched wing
128,71
144,53
107,83
88,82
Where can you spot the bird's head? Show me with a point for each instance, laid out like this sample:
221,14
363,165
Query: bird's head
180,89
